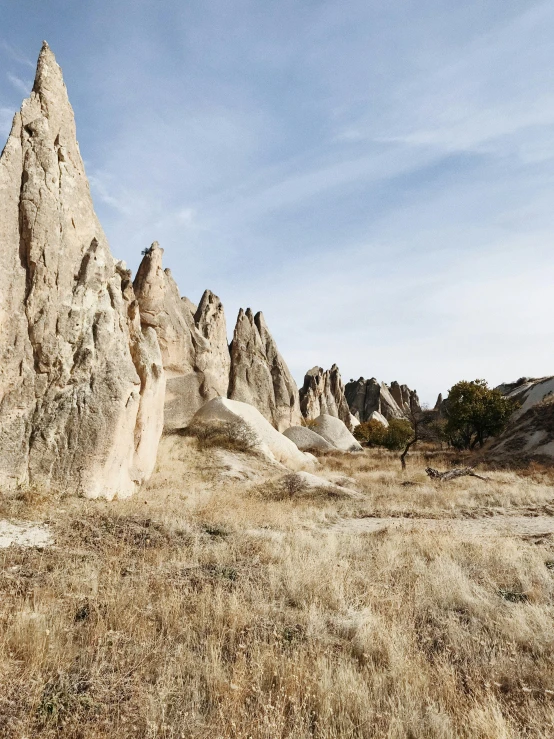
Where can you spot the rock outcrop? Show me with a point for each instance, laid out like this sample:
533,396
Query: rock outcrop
367,396
335,432
406,399
307,440
323,392
259,375
193,341
529,435
81,382
267,441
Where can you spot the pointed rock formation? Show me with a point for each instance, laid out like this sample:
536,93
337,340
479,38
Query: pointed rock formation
405,398
367,396
259,375
323,392
81,384
193,341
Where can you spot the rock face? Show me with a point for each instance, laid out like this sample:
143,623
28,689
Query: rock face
269,443
335,432
405,398
323,392
193,341
307,440
367,396
81,383
259,375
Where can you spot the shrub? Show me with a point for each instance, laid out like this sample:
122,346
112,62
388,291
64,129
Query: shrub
373,433
234,436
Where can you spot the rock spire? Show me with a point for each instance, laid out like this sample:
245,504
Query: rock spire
259,374
193,341
323,392
81,382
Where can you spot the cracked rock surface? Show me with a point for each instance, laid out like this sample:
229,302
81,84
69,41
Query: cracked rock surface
81,382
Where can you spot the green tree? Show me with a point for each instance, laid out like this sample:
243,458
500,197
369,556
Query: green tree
395,436
475,412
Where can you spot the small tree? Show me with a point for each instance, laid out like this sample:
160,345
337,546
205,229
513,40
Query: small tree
425,426
475,412
393,437
371,433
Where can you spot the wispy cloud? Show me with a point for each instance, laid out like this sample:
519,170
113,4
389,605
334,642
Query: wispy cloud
378,182
23,86
16,55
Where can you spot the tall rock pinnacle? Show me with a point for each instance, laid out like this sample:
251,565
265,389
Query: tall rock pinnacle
193,340
81,382
259,375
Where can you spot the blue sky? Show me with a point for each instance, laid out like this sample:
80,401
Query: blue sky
378,178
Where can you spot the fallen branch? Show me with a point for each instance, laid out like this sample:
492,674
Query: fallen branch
452,474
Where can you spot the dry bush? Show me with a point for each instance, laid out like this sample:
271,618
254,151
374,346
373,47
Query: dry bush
234,436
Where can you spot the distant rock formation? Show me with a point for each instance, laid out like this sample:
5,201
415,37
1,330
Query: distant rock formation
367,396
529,435
406,399
259,374
81,382
193,344
323,392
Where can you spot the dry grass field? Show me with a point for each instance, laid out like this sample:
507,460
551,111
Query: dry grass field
216,603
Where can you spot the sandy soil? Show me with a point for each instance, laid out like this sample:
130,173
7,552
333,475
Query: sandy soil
24,534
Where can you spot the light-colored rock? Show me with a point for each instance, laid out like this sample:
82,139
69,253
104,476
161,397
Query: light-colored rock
270,443
407,400
81,384
366,396
335,432
259,375
376,416
529,434
323,392
530,393
306,439
353,422
193,340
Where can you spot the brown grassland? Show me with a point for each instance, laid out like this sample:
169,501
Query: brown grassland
210,606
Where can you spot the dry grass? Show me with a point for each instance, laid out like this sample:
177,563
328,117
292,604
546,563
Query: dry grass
200,609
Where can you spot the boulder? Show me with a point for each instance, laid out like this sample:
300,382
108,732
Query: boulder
259,375
269,442
366,396
193,340
323,392
376,416
335,432
306,439
81,380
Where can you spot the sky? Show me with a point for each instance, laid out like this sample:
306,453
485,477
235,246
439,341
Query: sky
377,178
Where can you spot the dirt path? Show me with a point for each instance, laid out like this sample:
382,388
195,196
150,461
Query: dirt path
504,525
